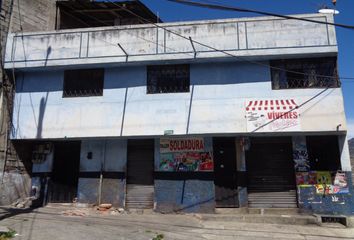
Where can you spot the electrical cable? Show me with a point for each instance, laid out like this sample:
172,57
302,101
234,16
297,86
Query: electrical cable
236,9
301,105
115,44
226,52
297,107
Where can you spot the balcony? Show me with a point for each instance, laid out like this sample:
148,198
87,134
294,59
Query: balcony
246,38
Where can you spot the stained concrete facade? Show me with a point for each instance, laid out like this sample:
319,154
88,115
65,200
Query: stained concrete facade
221,88
263,37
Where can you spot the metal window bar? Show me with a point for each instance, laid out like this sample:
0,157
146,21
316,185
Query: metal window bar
313,69
168,79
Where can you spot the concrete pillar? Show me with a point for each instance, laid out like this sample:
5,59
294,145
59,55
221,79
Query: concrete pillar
241,172
344,153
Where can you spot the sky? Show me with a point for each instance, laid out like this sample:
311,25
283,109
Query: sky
170,12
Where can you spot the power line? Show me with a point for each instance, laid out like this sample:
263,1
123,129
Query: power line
293,109
301,105
236,9
223,51
115,44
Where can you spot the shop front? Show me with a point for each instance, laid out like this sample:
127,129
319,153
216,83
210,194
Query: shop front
184,177
196,174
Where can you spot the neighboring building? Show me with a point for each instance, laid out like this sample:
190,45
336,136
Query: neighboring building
139,116
17,16
20,16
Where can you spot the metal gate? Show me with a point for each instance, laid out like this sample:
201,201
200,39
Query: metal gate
140,181
225,171
270,173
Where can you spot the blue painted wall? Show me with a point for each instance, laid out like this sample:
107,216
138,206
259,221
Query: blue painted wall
112,156
334,204
183,195
215,104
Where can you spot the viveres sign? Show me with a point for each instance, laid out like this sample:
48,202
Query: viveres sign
272,115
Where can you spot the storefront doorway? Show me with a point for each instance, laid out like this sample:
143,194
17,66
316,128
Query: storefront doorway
65,174
140,169
225,170
270,173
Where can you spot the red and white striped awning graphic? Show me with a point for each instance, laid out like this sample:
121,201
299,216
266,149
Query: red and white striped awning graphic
271,105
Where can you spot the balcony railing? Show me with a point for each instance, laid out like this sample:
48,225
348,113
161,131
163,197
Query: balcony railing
247,37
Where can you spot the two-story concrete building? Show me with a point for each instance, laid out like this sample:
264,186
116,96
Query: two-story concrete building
187,116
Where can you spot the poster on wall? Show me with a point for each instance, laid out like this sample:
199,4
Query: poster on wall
340,181
272,115
306,178
185,155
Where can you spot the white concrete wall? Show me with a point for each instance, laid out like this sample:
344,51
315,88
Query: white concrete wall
266,37
219,92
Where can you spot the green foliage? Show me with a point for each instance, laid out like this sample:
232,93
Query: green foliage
159,237
7,235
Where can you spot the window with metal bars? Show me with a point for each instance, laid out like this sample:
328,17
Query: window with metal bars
83,82
305,73
168,79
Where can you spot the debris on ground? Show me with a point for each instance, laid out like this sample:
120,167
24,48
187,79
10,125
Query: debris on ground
74,212
104,206
23,203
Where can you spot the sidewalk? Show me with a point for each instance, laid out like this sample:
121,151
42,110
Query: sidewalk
51,223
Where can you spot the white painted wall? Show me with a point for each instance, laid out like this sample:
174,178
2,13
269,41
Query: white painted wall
220,91
266,37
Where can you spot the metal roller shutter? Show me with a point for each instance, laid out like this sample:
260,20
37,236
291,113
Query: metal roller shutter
270,173
140,167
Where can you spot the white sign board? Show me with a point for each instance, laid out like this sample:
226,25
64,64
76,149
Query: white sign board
272,115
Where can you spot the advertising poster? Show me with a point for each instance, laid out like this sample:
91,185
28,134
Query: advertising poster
272,115
340,181
185,155
306,178
324,177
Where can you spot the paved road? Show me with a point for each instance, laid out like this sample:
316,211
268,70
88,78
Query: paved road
50,223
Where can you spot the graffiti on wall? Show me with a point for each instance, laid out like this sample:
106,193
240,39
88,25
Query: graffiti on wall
185,154
300,155
272,115
325,182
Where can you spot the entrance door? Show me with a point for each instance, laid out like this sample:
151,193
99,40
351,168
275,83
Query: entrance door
225,170
65,174
140,169
270,173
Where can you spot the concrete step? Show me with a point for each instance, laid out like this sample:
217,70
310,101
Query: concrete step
257,218
278,211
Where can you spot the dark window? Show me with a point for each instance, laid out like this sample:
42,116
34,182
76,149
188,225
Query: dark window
167,79
323,153
83,83
305,73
